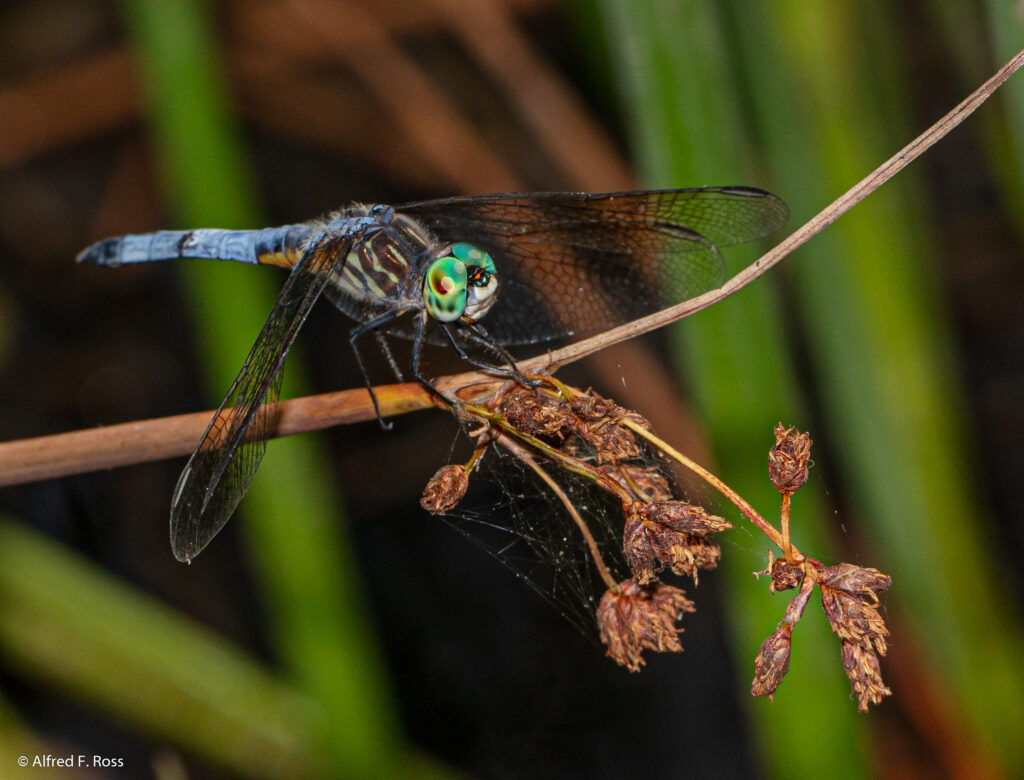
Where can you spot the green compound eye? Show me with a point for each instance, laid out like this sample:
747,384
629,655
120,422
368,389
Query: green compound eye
474,255
482,277
444,289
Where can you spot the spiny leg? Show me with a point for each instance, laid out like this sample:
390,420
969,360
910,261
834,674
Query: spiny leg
354,334
417,348
476,333
382,342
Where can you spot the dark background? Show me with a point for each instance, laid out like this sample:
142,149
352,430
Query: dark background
486,677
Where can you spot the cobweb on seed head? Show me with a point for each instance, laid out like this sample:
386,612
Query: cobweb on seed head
529,530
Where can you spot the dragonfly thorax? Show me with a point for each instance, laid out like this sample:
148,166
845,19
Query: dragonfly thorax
395,264
463,284
381,271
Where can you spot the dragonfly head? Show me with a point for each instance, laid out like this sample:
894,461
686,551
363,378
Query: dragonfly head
460,285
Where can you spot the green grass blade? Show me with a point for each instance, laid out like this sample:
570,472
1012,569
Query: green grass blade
292,516
681,97
882,353
77,629
1007,34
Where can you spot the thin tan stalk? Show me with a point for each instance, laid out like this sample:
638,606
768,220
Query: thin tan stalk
137,442
787,543
522,454
735,498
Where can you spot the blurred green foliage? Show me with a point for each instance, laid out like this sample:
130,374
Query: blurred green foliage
804,98
319,629
68,624
816,94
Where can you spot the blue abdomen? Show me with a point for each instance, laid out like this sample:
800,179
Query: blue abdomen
281,246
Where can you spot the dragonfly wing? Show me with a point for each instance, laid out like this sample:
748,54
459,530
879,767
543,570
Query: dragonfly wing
571,262
225,461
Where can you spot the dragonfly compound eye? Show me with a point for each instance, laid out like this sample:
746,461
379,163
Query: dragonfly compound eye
444,289
482,278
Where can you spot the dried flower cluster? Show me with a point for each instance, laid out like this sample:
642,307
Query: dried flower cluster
595,438
598,440
639,618
788,460
670,534
849,593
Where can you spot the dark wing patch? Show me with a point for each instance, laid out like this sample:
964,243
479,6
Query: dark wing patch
574,262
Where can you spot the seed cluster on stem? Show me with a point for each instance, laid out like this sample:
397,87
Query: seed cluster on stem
553,425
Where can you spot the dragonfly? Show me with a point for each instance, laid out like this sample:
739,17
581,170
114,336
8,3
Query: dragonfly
478,273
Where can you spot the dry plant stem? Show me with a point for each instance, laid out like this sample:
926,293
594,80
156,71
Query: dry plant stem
76,452
521,454
475,457
735,498
137,442
787,544
815,225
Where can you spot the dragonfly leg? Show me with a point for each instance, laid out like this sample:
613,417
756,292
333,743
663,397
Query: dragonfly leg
382,342
353,336
417,346
477,334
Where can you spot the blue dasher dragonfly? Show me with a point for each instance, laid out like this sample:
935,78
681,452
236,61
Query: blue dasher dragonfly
533,266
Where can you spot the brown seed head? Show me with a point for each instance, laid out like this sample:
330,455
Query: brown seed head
685,517
641,546
785,576
612,442
595,422
537,414
787,460
772,661
855,579
591,407
670,533
648,480
851,605
639,618
863,669
644,483
445,489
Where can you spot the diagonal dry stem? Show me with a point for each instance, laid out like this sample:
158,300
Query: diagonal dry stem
88,450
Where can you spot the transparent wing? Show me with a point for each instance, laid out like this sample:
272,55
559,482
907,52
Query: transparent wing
225,461
570,262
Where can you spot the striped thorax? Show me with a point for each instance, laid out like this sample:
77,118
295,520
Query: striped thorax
396,263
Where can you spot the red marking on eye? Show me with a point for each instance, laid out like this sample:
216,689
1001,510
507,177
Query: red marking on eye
443,284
